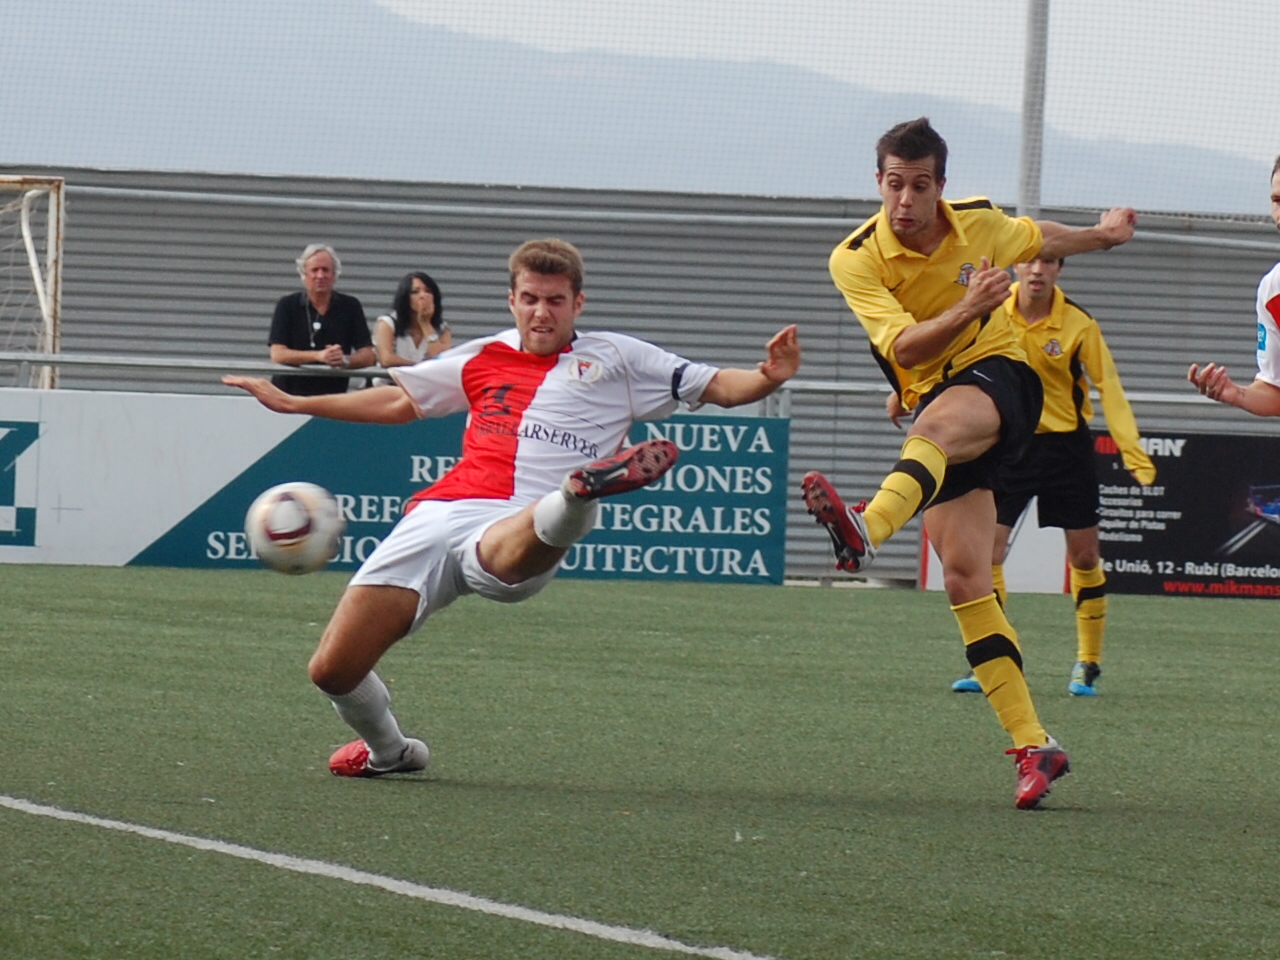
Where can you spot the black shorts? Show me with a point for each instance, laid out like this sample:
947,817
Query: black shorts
1018,395
1058,469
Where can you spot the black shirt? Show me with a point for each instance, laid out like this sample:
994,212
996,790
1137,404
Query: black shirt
297,325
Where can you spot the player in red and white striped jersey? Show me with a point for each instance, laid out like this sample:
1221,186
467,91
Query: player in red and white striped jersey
548,410
1261,397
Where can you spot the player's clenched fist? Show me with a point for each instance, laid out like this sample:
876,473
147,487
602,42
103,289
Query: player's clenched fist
988,288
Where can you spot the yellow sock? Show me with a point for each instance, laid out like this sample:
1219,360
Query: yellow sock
907,489
991,647
1090,594
1002,592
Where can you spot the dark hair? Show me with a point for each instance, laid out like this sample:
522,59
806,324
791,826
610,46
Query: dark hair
402,309
913,140
551,257
1276,169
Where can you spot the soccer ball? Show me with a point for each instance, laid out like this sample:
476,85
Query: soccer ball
295,527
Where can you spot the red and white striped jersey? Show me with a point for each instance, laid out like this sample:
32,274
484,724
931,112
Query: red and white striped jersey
1269,327
533,419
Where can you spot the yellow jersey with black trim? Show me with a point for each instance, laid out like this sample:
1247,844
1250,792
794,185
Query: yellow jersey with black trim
1063,348
889,287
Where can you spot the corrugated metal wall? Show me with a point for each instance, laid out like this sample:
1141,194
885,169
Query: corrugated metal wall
155,266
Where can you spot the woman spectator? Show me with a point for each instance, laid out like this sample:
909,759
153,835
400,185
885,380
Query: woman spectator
414,330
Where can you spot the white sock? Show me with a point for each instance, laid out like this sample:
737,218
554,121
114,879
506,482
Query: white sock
561,521
367,711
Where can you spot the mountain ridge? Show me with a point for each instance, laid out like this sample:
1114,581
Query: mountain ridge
347,88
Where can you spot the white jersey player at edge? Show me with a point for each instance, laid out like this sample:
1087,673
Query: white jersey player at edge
548,411
1262,396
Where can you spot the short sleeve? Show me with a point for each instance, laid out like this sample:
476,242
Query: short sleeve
359,327
659,380
435,386
280,321
1018,239
878,310
1269,328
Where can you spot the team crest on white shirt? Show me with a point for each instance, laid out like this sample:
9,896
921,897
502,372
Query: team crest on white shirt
584,370
1053,348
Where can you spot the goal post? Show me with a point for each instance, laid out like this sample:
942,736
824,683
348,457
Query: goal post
32,219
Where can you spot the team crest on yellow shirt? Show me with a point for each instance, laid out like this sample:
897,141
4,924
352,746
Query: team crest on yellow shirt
1053,348
584,371
966,274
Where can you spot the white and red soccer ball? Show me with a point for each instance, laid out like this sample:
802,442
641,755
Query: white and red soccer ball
295,527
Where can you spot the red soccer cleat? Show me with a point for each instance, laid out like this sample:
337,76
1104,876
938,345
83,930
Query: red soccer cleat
631,469
846,527
352,760
1037,768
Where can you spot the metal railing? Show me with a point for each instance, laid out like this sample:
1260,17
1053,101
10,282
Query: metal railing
782,399
27,359
777,405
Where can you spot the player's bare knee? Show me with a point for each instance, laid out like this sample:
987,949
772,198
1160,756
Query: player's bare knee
330,675
962,586
1085,559
955,438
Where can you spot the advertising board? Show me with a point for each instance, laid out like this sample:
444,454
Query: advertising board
116,478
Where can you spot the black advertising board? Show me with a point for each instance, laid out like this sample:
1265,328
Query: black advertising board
1208,526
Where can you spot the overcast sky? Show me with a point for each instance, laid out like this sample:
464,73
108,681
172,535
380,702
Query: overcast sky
1153,71
761,97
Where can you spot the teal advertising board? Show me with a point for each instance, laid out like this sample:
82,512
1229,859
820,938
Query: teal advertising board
371,469
719,515
16,438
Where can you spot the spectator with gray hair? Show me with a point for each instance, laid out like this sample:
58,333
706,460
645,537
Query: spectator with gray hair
319,325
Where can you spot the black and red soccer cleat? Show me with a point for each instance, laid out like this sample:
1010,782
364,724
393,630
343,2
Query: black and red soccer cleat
631,469
352,760
846,526
1037,768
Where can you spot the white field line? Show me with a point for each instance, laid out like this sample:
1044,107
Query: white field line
449,898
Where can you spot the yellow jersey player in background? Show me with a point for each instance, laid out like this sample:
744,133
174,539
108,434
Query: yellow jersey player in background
927,280
1065,347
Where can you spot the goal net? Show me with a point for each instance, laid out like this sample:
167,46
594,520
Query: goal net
31,224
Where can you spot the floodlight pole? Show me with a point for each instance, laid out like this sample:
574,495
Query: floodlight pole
1037,50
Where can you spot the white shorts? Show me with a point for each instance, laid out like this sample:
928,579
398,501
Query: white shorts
432,550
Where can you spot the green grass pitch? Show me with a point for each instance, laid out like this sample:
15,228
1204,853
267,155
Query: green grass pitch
780,771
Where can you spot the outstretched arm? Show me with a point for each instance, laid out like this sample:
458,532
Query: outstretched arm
1114,227
732,387
1260,398
375,405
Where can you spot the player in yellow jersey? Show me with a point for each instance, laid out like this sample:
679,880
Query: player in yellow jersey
1063,345
927,280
